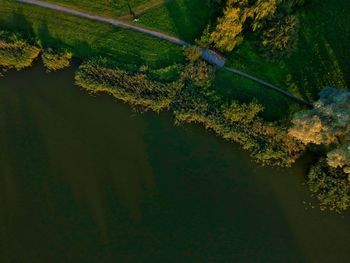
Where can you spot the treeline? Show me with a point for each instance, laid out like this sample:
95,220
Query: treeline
273,23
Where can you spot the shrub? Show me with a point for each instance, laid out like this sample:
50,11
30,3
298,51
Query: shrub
244,113
54,61
197,71
16,53
280,37
330,186
135,89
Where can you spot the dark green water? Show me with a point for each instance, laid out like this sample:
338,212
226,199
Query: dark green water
85,179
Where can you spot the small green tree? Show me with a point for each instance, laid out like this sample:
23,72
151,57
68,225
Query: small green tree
280,37
227,34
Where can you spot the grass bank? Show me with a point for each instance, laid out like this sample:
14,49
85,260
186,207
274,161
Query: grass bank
107,8
87,38
135,89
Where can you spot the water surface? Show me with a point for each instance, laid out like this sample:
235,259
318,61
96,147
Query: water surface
85,179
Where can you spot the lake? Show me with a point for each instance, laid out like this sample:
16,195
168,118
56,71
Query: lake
86,179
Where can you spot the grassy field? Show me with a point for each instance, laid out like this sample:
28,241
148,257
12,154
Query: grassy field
182,18
233,87
322,58
185,19
108,8
86,38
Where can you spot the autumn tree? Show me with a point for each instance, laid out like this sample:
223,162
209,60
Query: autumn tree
329,120
340,158
228,32
328,123
261,10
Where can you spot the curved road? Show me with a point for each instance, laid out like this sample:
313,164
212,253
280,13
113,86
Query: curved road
207,54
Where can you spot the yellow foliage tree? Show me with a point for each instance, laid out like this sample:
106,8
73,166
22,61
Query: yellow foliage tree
261,10
227,34
327,123
340,158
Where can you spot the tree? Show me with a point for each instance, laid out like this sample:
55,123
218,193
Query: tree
227,33
329,120
261,10
280,37
328,123
340,158
197,71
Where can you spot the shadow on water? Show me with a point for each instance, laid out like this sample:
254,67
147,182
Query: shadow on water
84,179
24,166
221,213
79,166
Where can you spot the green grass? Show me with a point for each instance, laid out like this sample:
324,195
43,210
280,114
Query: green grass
108,8
185,19
88,38
322,58
233,87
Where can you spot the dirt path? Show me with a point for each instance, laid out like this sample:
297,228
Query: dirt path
209,55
